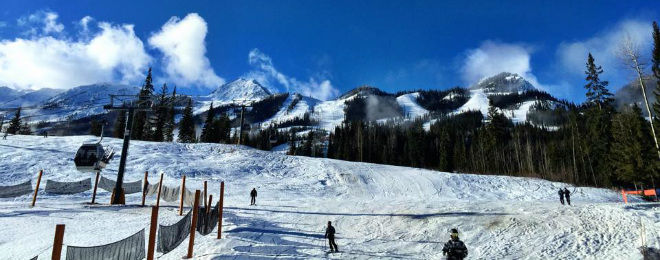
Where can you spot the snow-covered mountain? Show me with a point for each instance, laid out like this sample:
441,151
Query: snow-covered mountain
504,83
88,100
239,89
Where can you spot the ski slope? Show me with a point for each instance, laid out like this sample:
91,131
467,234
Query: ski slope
379,211
408,103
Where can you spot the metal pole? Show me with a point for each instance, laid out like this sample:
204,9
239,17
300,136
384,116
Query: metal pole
240,133
119,192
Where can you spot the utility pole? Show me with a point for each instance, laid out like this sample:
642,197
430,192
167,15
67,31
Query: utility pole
243,103
130,104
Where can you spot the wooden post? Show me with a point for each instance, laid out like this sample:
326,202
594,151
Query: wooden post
208,208
193,227
205,196
183,193
96,183
144,188
222,196
152,233
160,187
57,243
36,189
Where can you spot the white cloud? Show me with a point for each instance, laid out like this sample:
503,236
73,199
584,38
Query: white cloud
113,53
572,55
266,74
182,42
492,58
84,22
3,24
46,19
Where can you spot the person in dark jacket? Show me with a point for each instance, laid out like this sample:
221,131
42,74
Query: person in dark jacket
330,235
567,194
561,196
455,249
253,196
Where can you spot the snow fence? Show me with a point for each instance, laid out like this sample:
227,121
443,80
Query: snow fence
169,237
16,190
129,187
130,248
206,222
56,187
170,194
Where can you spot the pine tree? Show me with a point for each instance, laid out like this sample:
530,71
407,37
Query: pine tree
95,128
208,130
161,114
15,123
168,129
655,67
633,158
187,125
597,92
120,125
224,128
141,118
25,129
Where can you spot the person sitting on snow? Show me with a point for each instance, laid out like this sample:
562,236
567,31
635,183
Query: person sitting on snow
455,249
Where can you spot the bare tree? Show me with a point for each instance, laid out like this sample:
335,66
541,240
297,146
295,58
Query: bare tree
630,56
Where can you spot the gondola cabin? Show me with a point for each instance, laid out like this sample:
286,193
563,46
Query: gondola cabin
90,158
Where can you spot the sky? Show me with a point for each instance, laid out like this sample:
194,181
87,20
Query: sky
318,48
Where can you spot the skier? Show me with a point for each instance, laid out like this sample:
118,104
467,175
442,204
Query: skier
45,134
455,249
330,235
561,196
567,193
253,196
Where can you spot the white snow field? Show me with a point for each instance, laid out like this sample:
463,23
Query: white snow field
379,211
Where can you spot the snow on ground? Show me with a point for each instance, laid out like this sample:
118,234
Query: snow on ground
519,115
379,211
303,106
408,103
331,113
478,101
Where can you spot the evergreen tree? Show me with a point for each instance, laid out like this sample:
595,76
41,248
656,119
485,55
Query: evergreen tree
120,125
25,129
187,125
655,66
224,128
168,128
633,157
96,128
141,118
162,107
15,123
208,130
597,92
292,142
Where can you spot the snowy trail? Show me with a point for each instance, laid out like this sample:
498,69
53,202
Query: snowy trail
380,212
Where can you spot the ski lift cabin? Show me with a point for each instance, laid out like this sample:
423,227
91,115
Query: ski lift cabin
91,158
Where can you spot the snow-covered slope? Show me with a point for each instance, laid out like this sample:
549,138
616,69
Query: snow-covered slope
504,82
408,103
379,211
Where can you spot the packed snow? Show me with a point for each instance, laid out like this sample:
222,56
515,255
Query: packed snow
411,109
379,211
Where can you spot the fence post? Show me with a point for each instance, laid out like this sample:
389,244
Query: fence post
152,233
36,189
183,193
222,196
96,183
205,196
57,243
144,188
208,208
193,227
160,187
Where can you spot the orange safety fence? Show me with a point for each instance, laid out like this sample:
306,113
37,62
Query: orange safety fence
624,193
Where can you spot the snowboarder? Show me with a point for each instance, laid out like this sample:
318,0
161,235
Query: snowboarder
567,194
455,249
253,196
561,196
330,235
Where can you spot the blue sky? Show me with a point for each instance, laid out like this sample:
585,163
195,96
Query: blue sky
318,48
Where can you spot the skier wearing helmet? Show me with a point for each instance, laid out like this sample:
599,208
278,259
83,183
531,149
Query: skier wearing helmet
455,249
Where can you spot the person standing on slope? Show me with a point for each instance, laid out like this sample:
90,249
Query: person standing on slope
253,196
455,249
561,196
567,194
330,235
